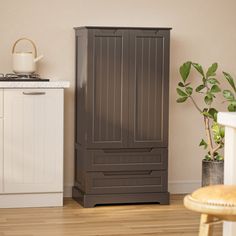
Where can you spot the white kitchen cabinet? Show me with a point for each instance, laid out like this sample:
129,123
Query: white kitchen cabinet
31,144
33,140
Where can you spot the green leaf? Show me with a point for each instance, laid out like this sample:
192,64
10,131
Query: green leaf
215,89
219,157
208,100
233,102
185,70
218,133
181,92
182,99
200,87
213,112
213,81
198,68
215,128
207,157
189,90
181,84
203,143
228,95
211,70
222,132
232,107
230,80
217,138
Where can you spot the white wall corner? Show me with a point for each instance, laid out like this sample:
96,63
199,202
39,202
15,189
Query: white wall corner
181,187
67,190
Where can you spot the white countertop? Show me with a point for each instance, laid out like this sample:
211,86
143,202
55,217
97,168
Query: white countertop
35,84
227,119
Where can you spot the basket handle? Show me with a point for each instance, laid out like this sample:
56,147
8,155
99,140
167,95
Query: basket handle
29,40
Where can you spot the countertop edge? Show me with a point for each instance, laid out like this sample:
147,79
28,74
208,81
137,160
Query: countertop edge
227,119
34,84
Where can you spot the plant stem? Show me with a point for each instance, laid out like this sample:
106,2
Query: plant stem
209,138
217,147
195,104
207,128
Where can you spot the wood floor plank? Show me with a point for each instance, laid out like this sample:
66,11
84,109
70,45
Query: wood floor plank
115,220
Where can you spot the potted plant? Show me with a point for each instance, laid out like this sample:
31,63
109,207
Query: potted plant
208,88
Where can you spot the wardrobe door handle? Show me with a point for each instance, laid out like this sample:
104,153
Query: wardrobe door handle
127,150
34,93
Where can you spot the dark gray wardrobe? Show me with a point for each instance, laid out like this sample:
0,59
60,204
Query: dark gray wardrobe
121,144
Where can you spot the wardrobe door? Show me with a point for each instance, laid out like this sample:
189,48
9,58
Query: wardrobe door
148,88
107,88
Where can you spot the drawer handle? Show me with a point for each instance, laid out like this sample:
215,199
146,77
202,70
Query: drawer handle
124,150
34,93
115,173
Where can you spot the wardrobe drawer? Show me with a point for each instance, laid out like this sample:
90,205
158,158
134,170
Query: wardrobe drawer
120,160
126,182
1,103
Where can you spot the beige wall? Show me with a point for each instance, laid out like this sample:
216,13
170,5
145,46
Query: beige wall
203,31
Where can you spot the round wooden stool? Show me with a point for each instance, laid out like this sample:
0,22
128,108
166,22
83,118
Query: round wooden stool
216,203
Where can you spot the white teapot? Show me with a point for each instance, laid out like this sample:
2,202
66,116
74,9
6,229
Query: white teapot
24,62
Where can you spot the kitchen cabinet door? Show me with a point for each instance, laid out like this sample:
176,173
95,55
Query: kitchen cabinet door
148,88
33,140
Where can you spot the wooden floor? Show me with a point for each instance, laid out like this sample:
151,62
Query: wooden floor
126,220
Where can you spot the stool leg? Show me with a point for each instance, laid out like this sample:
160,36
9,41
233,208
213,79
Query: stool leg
205,229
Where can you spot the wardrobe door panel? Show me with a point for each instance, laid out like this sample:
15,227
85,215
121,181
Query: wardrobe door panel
148,88
107,88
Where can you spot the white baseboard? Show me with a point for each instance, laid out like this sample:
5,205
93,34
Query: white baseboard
175,187
20,200
178,187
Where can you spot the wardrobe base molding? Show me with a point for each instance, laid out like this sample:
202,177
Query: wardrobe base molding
91,200
31,200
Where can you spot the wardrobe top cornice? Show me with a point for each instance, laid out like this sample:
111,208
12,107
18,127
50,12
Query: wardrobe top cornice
122,27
